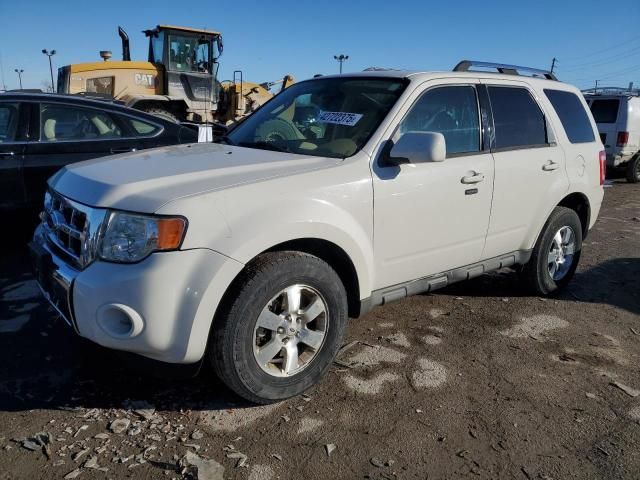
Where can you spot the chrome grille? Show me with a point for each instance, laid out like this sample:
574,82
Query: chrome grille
72,228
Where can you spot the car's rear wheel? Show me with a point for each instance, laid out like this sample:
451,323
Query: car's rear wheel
556,254
633,169
280,327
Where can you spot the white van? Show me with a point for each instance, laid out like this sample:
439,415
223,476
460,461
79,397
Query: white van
617,114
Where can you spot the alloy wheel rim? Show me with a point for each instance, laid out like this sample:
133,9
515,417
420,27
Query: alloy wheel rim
561,253
290,330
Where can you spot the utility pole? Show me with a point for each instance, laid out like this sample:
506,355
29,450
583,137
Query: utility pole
596,89
341,59
50,54
553,64
19,72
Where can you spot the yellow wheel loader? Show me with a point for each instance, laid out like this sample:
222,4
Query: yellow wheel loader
178,82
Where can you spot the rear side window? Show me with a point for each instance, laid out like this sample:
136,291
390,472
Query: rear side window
572,115
518,120
143,129
605,111
8,121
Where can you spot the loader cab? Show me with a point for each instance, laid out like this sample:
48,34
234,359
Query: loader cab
189,60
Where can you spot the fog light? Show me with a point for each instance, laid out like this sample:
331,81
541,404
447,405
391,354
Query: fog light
119,321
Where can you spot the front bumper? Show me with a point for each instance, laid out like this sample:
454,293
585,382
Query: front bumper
161,308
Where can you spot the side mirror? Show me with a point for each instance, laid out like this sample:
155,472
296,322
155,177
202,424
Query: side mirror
418,147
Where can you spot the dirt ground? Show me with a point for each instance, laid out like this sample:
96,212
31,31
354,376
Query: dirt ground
478,380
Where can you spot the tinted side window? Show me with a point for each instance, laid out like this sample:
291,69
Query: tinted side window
605,111
519,122
572,115
65,122
452,111
8,121
143,129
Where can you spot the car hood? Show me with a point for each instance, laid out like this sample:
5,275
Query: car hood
145,181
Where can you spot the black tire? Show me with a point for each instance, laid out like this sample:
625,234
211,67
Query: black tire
162,113
536,271
633,170
232,340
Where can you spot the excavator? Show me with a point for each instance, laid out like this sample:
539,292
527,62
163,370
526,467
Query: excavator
177,82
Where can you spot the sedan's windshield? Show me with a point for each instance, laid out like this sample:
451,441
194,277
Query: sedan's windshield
332,117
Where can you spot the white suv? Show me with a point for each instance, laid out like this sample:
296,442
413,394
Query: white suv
617,115
339,194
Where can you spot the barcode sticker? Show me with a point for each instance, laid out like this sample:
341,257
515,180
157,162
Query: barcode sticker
340,118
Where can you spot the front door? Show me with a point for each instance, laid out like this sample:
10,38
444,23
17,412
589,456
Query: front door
11,150
67,133
432,217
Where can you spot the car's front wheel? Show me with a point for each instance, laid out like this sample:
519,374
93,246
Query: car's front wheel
280,327
556,254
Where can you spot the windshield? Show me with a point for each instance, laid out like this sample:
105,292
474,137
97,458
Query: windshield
331,117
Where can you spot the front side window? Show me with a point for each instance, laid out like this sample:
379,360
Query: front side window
188,54
66,122
452,111
518,120
606,110
331,117
8,121
572,114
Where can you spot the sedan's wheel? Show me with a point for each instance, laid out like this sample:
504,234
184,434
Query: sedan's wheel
280,326
556,254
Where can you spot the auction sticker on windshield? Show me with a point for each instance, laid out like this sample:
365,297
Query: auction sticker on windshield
340,118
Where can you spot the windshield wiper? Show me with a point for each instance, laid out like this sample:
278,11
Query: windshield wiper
263,146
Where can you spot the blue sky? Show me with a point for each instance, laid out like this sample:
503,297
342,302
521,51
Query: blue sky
592,40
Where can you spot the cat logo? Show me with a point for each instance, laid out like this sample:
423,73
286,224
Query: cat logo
144,79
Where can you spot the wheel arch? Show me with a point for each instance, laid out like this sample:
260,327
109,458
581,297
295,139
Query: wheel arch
579,203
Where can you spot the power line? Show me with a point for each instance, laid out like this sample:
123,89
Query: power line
607,49
596,63
614,74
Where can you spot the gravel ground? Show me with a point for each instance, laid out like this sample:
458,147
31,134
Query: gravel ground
478,380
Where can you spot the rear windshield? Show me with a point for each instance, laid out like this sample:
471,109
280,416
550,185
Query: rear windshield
605,111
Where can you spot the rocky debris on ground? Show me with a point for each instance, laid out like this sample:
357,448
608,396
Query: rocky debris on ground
119,425
329,448
204,469
632,392
41,441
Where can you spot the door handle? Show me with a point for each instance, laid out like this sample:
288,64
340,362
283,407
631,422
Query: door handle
7,154
550,166
476,177
122,150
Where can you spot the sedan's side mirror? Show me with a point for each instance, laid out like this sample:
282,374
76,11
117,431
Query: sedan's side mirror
418,147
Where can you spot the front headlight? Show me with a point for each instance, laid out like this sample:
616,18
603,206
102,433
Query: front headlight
129,238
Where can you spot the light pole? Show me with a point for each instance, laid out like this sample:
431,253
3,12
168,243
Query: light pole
19,72
341,59
50,54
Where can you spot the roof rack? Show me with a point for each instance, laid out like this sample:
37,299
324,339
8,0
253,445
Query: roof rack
466,65
630,92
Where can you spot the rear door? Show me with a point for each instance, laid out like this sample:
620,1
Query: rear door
529,167
12,143
69,133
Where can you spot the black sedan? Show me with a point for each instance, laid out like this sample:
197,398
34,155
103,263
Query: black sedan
40,133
